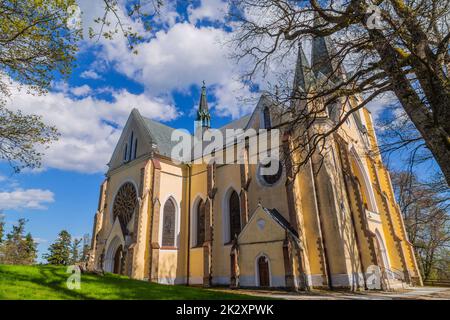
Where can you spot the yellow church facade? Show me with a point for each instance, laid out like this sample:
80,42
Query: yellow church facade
226,224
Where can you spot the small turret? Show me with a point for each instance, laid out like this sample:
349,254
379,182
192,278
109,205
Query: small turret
203,120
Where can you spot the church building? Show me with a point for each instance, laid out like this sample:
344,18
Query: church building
212,224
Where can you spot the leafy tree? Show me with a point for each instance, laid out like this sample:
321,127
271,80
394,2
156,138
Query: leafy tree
60,251
398,48
116,15
18,248
36,44
20,135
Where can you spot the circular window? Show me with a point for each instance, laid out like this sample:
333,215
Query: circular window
125,203
270,173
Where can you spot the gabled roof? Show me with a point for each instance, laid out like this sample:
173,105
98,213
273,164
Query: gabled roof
161,135
278,218
240,123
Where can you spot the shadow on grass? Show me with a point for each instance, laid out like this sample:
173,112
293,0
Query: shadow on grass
49,282
47,278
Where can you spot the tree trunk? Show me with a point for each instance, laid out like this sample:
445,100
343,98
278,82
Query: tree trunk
434,135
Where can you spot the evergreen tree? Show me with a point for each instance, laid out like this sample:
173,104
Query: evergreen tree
86,247
18,248
30,252
2,227
59,251
74,251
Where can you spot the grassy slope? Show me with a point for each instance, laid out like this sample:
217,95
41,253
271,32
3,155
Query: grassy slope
49,282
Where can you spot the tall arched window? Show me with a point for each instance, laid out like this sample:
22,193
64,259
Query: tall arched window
131,146
168,227
235,215
135,148
200,223
267,122
125,153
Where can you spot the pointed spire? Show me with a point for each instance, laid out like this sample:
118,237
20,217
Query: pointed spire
323,60
203,116
203,105
303,76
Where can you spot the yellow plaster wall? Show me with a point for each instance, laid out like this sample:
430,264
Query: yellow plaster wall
174,182
226,176
128,173
172,262
269,241
198,189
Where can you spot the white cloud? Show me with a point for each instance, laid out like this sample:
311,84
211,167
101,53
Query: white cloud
90,74
40,240
177,55
212,10
26,199
230,97
174,60
180,57
379,104
81,91
87,136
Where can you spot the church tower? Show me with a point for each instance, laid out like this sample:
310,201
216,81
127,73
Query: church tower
203,120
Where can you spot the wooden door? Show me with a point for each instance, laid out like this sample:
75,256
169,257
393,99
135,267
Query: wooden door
263,268
118,261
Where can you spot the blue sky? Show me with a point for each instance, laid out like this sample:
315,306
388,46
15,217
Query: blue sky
163,81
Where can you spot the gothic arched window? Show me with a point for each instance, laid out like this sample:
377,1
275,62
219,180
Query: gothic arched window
125,153
131,146
200,223
135,148
125,203
267,122
235,215
168,228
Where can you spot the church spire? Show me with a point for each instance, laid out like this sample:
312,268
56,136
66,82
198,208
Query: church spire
303,75
203,116
323,60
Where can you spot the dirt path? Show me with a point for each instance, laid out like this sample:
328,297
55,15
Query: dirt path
420,293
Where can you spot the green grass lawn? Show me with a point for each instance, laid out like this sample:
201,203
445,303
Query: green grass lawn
49,282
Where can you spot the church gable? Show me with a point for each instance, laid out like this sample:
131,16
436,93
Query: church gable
266,115
256,120
262,227
134,142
